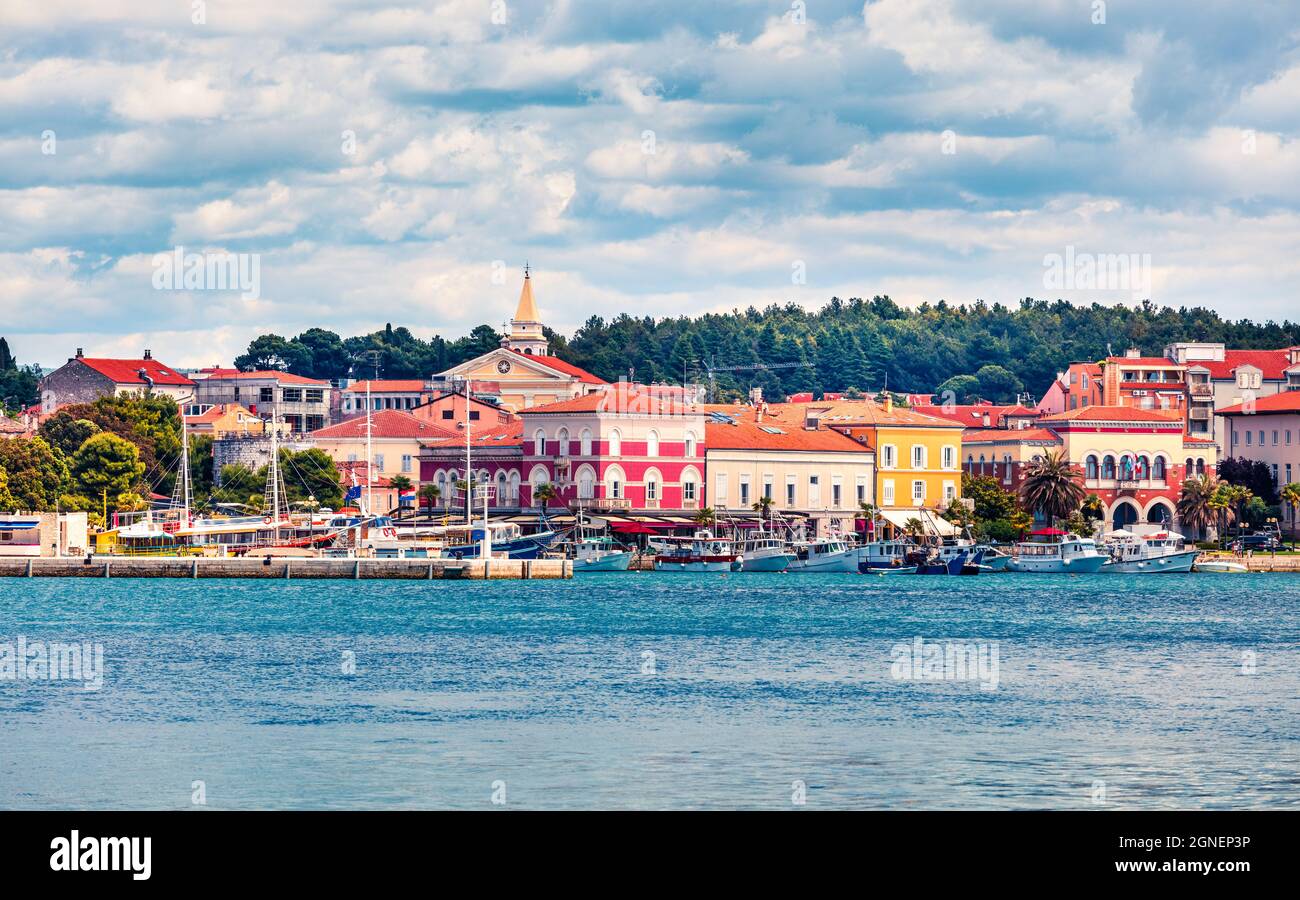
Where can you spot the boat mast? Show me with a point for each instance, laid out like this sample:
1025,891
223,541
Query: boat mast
185,470
274,473
469,477
370,457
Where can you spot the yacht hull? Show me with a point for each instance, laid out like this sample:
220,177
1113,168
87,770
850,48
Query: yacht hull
1172,562
843,561
610,562
1078,565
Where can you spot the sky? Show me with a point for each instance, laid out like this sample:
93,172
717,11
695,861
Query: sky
389,162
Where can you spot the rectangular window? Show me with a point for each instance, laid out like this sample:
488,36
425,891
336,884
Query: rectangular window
862,489
291,395
950,457
918,493
1248,437
720,489
379,462
814,491
473,415
266,395
688,491
887,492
616,489
837,493
1261,437
1274,437
744,491
315,423
918,456
406,462
448,413
789,491
949,491
767,487
315,395
652,490
888,456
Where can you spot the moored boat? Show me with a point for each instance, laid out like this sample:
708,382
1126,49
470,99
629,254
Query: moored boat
1149,554
1059,552
764,553
703,552
824,555
1220,567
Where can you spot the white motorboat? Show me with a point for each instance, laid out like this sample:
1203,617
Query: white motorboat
883,554
599,554
1220,567
701,553
764,553
1058,552
824,555
1147,554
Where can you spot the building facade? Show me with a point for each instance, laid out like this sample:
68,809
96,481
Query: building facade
84,379
395,442
303,404
1267,430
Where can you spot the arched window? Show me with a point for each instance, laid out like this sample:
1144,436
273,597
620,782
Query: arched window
514,487
1091,468
1158,469
1126,467
615,443
983,467
563,437
538,477
539,443
614,482
651,487
1200,467
586,483
1143,468
503,493
1189,467
1108,467
652,445
690,444
690,486
584,439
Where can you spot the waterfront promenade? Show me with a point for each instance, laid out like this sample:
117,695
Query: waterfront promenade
283,568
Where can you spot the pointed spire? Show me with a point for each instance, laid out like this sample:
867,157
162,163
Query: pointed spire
527,311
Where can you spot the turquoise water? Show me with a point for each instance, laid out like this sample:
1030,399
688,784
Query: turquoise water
1129,687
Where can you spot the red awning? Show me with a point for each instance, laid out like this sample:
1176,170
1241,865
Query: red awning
632,528
1049,532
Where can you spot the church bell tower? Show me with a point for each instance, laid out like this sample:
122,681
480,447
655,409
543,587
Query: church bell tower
526,328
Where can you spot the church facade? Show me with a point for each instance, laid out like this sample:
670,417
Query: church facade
522,372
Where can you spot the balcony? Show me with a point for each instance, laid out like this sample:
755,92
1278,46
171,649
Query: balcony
1201,390
599,504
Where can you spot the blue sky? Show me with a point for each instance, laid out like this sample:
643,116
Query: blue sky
656,158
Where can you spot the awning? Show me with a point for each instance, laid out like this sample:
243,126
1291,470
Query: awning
933,522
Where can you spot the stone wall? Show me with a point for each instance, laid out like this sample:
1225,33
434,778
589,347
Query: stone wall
73,382
251,451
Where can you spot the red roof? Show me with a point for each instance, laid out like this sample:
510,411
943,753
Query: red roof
280,377
623,397
1271,362
390,385
1143,361
388,423
559,365
750,435
1114,414
972,415
127,371
1285,402
1010,435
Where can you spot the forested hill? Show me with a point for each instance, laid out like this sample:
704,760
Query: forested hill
846,344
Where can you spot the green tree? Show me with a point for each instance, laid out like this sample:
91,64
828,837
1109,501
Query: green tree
958,389
429,494
998,384
106,462
67,432
273,352
7,501
543,494
37,473
1194,506
992,502
1051,487
1290,494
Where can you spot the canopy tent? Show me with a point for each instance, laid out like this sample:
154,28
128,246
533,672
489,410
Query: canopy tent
933,522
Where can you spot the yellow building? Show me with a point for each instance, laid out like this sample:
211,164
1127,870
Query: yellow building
917,457
223,419
522,372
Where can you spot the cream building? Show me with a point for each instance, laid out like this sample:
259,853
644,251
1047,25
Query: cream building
522,372
395,442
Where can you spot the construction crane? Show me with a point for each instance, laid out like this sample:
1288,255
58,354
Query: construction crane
712,370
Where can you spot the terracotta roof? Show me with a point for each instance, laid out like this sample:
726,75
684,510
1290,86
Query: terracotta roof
359,468
127,371
869,412
1143,361
1113,414
1272,363
388,423
559,365
768,435
213,413
281,377
389,385
1010,435
972,415
622,397
1285,402
11,426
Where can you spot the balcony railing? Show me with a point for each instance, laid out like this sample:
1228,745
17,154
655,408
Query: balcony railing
601,503
1201,390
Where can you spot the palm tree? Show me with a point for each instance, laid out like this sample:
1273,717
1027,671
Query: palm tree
400,483
1239,497
871,513
429,494
914,527
1193,506
763,506
705,516
543,494
1221,503
1290,495
1051,487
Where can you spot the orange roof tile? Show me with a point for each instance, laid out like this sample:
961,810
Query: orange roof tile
1113,414
127,371
622,397
869,412
1011,435
280,377
388,423
559,365
1272,363
766,435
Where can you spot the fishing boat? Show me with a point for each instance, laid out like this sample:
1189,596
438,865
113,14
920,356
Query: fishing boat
1060,552
764,553
883,554
596,553
507,540
994,560
1220,567
702,552
1148,554
831,554
893,570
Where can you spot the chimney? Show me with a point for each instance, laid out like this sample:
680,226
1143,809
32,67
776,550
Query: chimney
1133,353
889,403
986,420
